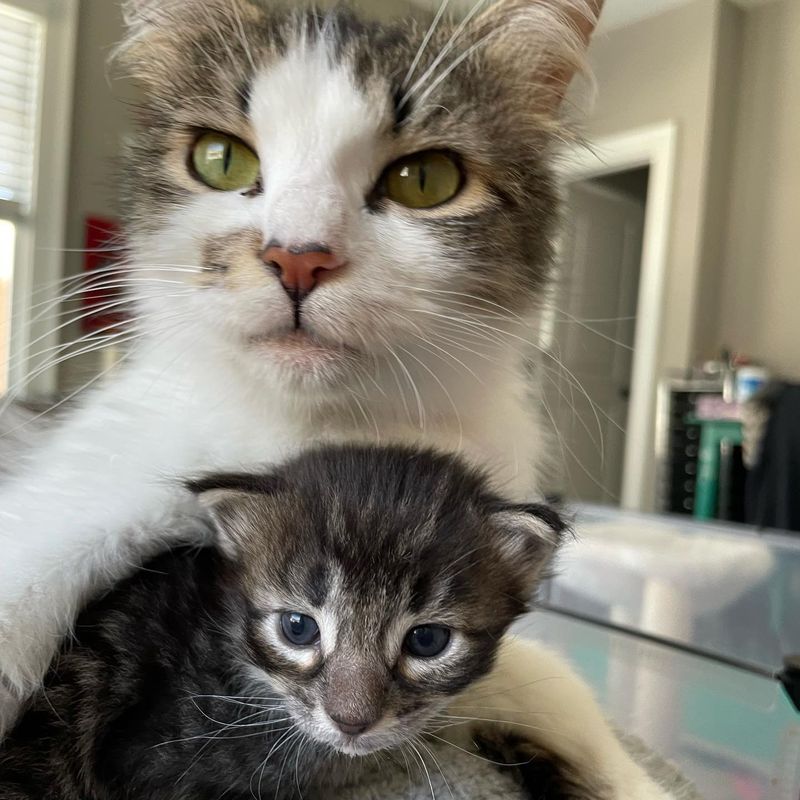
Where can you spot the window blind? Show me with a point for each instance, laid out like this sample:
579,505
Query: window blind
21,38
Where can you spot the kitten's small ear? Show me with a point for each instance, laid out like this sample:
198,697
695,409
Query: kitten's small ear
543,42
234,501
530,534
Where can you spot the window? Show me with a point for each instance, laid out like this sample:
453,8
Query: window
36,74
21,38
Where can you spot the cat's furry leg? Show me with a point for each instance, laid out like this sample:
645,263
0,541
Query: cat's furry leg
536,696
95,500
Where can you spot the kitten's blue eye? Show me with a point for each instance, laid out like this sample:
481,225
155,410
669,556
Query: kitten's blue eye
299,629
426,641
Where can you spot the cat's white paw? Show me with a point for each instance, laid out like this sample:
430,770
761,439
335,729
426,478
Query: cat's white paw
535,696
32,623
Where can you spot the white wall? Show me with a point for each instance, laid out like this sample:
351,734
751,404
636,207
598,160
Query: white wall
656,70
100,121
760,288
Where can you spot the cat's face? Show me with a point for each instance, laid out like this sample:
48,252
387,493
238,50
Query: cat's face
332,196
379,582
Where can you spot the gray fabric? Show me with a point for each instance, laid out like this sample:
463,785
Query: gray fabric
461,776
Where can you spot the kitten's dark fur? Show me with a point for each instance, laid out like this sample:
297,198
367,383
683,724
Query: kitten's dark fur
137,705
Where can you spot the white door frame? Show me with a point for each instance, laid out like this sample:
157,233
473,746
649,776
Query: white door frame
653,147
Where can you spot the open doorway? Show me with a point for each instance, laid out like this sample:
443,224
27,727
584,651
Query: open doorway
620,168
593,324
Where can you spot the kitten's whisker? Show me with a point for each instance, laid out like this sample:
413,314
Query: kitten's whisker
298,733
507,690
479,756
436,762
424,767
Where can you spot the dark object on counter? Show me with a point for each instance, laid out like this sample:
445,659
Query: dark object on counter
773,485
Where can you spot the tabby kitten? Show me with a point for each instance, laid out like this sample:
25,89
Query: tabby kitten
352,594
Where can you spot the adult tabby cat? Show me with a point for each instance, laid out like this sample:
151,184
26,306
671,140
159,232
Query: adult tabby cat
335,229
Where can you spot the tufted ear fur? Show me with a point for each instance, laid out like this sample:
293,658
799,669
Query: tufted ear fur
542,42
156,29
530,536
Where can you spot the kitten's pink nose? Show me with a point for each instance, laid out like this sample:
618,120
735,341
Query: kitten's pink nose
301,267
350,725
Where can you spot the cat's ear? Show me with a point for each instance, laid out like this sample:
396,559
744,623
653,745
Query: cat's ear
529,536
235,503
542,43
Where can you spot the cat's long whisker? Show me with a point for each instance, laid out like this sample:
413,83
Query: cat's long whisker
589,328
424,44
444,391
100,286
420,407
102,336
66,399
454,64
482,325
96,342
443,354
595,409
124,269
14,392
570,402
505,312
442,53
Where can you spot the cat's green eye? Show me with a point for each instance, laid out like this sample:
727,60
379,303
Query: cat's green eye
225,163
423,180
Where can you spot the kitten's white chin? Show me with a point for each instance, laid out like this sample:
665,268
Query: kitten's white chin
361,746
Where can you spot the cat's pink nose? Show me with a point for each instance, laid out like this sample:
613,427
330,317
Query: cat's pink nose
350,725
301,267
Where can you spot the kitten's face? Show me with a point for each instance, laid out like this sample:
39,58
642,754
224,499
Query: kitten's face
380,583
269,181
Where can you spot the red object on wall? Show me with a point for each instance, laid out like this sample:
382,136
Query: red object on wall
104,251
